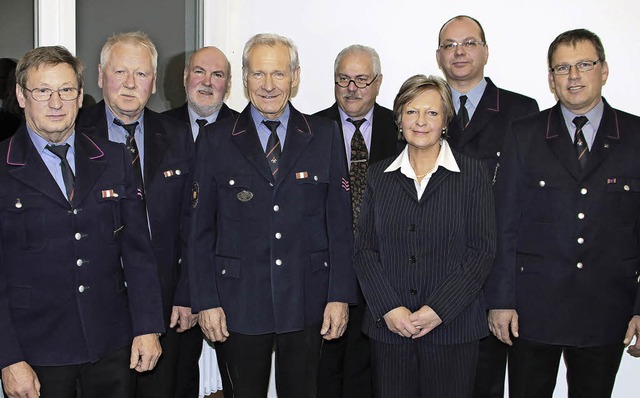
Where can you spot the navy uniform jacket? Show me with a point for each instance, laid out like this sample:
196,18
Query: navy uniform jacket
77,281
436,251
569,255
271,253
182,113
384,132
484,135
169,154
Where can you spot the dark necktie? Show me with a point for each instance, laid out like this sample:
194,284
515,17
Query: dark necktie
463,115
582,150
273,146
133,149
201,124
67,175
358,170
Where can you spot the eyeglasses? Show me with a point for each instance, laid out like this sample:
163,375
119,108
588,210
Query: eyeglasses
467,45
360,82
44,94
582,66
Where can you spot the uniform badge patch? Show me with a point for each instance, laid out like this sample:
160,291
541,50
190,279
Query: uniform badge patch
244,196
109,193
194,195
345,184
301,175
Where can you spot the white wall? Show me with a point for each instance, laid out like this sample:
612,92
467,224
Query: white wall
404,32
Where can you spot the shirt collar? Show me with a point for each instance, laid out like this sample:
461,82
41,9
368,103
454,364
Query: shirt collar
594,116
114,127
445,159
474,95
40,143
258,117
193,116
368,117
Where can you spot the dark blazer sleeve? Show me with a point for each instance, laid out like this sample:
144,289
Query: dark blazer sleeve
10,351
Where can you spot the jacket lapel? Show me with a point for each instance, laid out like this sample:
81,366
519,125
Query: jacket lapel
298,136
380,138
90,164
560,143
245,137
486,110
155,145
26,165
607,137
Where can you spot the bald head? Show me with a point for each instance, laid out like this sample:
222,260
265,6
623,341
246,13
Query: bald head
207,80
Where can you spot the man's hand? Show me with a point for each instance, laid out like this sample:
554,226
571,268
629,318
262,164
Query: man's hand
425,320
182,317
213,323
335,319
501,322
398,322
633,330
145,352
20,381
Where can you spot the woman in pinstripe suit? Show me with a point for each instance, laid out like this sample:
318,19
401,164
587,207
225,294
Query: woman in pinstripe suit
424,246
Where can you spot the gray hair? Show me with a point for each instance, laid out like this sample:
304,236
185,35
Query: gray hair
138,38
269,39
358,48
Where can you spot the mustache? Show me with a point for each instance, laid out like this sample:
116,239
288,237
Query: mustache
205,89
351,96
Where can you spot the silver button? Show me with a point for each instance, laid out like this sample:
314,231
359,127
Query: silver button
498,154
278,262
75,211
125,284
81,288
276,208
325,264
18,204
583,191
224,271
580,241
579,265
79,262
581,216
278,235
232,182
521,269
315,178
627,188
180,261
178,172
270,184
542,183
78,236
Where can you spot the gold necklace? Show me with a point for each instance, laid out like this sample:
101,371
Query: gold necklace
419,177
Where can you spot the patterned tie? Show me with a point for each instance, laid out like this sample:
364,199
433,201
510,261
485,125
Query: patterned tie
463,115
358,170
67,175
582,150
273,146
133,150
201,123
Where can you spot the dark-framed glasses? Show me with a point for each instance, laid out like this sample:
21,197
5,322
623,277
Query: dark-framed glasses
360,82
43,94
582,66
467,45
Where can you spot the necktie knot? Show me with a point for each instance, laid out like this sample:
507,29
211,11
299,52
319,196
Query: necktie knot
463,100
580,121
357,123
59,150
272,125
130,128
201,122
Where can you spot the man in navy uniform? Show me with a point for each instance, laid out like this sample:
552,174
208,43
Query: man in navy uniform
483,114
162,154
79,292
207,81
271,242
565,278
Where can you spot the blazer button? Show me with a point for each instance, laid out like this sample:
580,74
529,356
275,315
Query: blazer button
412,228
79,262
542,183
78,236
81,288
278,262
232,182
413,291
579,265
581,216
584,191
413,259
580,241
276,208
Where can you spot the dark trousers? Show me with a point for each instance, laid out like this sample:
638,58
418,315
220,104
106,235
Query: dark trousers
345,363
109,377
492,364
227,386
177,374
420,370
591,371
297,355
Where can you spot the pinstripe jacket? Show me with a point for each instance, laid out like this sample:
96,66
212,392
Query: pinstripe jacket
436,251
